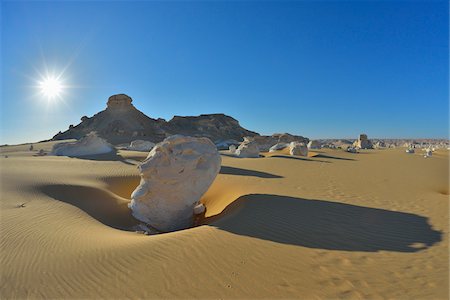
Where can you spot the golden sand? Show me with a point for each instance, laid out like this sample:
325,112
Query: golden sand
332,225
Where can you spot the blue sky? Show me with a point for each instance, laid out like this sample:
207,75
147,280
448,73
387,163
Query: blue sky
319,69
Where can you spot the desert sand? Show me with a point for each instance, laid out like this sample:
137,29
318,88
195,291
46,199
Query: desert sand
331,225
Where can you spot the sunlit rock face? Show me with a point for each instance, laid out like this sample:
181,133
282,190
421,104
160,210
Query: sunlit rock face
278,146
140,145
296,148
363,142
314,145
248,148
174,176
91,144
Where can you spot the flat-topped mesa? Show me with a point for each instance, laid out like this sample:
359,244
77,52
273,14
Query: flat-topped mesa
119,102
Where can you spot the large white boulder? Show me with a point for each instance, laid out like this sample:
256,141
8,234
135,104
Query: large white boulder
248,148
174,176
296,148
140,145
278,146
314,145
90,144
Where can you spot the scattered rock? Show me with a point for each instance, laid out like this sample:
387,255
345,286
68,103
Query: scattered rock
232,149
140,145
91,144
352,150
410,150
248,148
174,176
31,147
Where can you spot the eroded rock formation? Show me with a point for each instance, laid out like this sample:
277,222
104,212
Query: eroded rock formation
174,176
91,144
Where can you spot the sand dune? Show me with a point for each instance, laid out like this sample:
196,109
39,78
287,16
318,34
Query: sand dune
330,225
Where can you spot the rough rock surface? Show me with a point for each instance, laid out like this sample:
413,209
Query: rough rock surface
278,146
225,144
174,176
91,144
248,148
296,148
140,145
314,145
363,142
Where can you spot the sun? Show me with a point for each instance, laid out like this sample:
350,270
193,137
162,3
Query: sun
51,87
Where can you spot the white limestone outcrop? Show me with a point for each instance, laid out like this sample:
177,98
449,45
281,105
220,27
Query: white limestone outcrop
91,144
296,148
174,176
248,148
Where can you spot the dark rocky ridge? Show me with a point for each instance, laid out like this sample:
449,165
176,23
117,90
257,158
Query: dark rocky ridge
121,123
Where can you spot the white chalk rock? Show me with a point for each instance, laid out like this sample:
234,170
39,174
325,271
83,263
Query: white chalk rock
296,148
232,149
174,176
199,209
140,145
314,145
248,148
90,144
410,150
352,150
428,153
278,146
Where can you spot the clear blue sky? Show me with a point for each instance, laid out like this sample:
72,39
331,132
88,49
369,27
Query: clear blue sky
319,69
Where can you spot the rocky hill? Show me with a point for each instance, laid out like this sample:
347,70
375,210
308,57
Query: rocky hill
121,122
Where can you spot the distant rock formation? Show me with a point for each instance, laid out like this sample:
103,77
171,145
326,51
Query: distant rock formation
363,142
122,123
91,144
176,173
248,148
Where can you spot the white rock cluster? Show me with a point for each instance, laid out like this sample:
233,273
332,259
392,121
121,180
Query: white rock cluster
296,148
140,145
248,148
174,176
90,144
410,150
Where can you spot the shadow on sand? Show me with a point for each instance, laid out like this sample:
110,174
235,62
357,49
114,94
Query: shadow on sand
245,172
325,225
299,158
112,156
102,205
333,157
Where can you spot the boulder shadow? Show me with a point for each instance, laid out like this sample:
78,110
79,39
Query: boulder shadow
245,172
325,225
299,158
112,156
333,157
101,205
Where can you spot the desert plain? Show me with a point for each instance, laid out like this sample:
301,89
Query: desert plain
370,225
